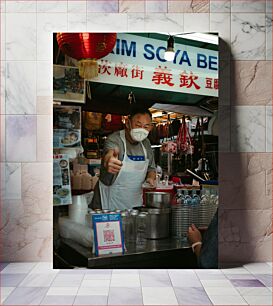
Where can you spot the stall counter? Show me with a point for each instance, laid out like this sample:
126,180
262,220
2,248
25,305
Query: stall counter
164,253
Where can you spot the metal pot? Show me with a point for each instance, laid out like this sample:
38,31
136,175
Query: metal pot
158,221
157,199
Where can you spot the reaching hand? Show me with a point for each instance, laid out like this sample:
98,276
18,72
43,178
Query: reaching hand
151,181
194,234
111,161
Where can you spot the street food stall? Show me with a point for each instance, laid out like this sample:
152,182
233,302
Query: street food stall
92,99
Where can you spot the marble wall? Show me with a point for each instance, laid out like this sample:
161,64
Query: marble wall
245,112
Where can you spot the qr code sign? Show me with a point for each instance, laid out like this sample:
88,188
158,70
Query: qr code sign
108,235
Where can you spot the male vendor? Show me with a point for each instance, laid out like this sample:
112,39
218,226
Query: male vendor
128,162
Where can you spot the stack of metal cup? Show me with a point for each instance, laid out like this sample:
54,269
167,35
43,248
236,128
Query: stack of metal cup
133,219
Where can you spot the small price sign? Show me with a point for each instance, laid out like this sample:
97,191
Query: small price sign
108,235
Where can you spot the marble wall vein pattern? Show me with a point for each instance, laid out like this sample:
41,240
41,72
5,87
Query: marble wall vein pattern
20,89
252,84
245,112
248,36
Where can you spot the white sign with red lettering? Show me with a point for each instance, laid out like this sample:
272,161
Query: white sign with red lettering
139,61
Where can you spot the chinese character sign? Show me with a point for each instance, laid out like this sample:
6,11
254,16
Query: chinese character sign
139,62
162,76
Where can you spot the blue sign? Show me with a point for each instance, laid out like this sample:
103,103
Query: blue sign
108,235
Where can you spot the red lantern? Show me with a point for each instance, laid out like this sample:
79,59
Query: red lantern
87,48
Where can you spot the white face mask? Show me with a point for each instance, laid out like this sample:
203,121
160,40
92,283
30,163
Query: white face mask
139,134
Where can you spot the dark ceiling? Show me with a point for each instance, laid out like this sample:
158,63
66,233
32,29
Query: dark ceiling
114,98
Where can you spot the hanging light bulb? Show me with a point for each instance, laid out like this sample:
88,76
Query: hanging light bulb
169,53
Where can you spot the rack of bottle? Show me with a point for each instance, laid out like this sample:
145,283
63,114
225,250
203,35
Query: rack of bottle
193,206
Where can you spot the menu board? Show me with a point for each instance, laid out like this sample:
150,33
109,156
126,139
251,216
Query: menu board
108,234
61,180
68,86
66,127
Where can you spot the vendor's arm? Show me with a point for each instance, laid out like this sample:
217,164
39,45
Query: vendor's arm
112,143
151,178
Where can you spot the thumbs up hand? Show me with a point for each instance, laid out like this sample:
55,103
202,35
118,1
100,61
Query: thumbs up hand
116,152
111,161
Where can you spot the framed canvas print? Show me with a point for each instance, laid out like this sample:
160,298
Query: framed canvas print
149,119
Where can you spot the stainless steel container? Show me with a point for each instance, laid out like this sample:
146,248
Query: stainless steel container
156,199
126,226
133,217
158,222
141,228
